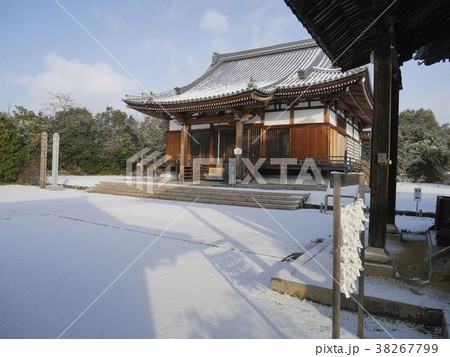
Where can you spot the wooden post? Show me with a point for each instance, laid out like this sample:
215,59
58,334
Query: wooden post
360,328
239,144
43,168
183,149
326,113
381,131
211,141
392,188
337,239
188,144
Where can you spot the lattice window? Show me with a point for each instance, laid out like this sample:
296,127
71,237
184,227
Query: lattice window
252,140
277,142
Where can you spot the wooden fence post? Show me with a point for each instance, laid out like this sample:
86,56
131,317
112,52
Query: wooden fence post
337,239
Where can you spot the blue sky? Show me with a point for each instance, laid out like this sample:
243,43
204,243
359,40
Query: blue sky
163,44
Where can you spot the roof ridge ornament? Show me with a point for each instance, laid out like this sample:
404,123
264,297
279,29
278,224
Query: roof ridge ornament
304,72
252,84
215,58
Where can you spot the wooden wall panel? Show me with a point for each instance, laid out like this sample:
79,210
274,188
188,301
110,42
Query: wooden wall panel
332,149
173,143
309,141
337,142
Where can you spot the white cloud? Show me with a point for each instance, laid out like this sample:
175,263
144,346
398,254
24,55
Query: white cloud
275,30
93,86
220,45
108,19
214,21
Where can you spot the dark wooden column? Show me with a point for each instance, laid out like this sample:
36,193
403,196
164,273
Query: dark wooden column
211,141
184,130
239,144
392,190
188,144
381,131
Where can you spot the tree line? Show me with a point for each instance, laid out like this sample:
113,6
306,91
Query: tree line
90,144
101,143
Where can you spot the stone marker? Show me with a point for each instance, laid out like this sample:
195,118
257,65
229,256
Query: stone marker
55,163
43,168
55,158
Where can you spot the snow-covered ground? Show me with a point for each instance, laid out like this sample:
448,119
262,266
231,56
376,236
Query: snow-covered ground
68,263
405,192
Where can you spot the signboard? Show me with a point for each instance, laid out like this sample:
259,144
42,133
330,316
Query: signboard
417,193
382,158
216,171
237,151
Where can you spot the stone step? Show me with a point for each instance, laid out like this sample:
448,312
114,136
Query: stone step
197,188
235,197
233,193
239,196
225,200
175,190
231,203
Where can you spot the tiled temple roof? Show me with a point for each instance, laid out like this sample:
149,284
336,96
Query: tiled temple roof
299,64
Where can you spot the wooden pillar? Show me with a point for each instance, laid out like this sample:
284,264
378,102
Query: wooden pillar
183,135
262,139
337,241
380,136
239,144
326,120
188,144
392,189
211,141
326,113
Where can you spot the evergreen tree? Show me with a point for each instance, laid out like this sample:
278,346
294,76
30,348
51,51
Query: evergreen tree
13,149
88,145
424,147
79,144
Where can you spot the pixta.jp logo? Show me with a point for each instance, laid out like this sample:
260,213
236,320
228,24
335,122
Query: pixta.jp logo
148,171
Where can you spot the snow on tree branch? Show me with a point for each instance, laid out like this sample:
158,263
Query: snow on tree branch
352,223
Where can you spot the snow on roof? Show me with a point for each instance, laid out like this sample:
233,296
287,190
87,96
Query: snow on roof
290,65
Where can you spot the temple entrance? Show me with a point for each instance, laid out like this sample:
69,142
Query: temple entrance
200,146
224,142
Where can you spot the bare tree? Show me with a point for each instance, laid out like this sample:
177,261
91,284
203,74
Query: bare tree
59,102
407,158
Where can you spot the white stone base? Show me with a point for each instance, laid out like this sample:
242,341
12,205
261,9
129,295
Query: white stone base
54,188
392,229
376,255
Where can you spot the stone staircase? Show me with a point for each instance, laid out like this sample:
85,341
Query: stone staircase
234,197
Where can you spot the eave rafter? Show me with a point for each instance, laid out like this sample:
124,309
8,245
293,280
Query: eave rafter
359,100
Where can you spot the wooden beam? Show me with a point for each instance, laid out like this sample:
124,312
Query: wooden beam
381,132
212,119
